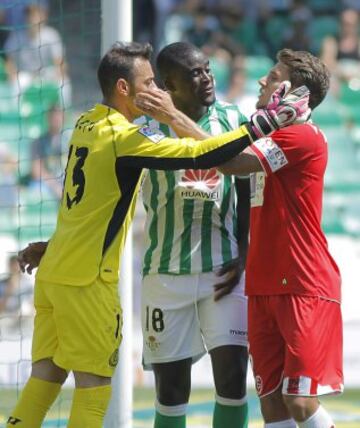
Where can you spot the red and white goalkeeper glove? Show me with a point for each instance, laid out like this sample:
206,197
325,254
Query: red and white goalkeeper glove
283,109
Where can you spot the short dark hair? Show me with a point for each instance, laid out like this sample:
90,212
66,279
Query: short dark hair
307,69
118,63
173,55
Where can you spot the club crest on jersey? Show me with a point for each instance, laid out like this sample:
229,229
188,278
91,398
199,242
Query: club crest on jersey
114,358
272,152
152,343
200,184
154,135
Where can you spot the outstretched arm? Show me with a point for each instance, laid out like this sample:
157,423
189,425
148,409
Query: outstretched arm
148,148
243,164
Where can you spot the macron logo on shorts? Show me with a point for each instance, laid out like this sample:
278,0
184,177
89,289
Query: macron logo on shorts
237,332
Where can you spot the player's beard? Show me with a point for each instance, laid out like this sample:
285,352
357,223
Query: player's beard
132,94
132,91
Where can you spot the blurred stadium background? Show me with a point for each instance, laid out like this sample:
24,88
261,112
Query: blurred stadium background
45,85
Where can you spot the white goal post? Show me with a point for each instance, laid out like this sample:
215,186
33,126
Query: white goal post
117,25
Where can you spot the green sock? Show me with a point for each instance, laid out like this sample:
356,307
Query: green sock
230,416
162,421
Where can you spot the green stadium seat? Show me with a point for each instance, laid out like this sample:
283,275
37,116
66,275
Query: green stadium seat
332,217
343,171
8,224
252,86
246,35
3,74
355,135
274,30
350,93
351,218
341,213
350,97
257,66
27,119
26,234
35,102
9,106
6,92
330,113
221,72
321,27
40,97
321,6
10,132
36,216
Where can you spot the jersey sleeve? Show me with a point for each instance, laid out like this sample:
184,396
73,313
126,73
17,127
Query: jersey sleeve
285,148
241,120
145,147
241,117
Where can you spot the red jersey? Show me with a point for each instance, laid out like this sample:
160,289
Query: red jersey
288,251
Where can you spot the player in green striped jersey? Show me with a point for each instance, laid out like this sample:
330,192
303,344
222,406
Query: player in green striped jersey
191,236
137,147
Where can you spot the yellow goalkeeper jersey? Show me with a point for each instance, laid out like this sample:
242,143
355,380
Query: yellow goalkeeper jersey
103,174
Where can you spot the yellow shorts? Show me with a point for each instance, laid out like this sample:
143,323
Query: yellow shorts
79,328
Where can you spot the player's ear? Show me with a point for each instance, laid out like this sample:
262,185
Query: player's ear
123,87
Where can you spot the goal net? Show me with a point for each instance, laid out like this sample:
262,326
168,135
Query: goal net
49,51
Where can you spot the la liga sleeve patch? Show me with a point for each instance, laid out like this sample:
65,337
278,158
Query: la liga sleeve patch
272,152
154,135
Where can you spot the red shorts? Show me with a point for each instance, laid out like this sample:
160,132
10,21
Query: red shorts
295,341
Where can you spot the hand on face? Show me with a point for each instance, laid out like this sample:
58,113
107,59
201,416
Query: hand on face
291,105
157,104
284,108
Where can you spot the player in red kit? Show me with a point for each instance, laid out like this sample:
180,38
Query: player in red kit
293,283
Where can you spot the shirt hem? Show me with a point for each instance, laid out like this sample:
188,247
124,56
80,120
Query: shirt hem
192,272
290,293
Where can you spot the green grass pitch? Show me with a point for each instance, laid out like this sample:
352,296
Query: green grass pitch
345,408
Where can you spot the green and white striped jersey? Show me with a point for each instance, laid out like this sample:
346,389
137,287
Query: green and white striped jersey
191,218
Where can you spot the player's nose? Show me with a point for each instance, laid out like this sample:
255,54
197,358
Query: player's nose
262,81
206,76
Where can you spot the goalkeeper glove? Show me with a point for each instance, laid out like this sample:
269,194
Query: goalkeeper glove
282,110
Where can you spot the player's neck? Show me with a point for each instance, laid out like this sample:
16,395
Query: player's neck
195,112
121,108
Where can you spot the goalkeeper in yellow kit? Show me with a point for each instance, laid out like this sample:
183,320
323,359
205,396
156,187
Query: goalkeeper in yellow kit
78,314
